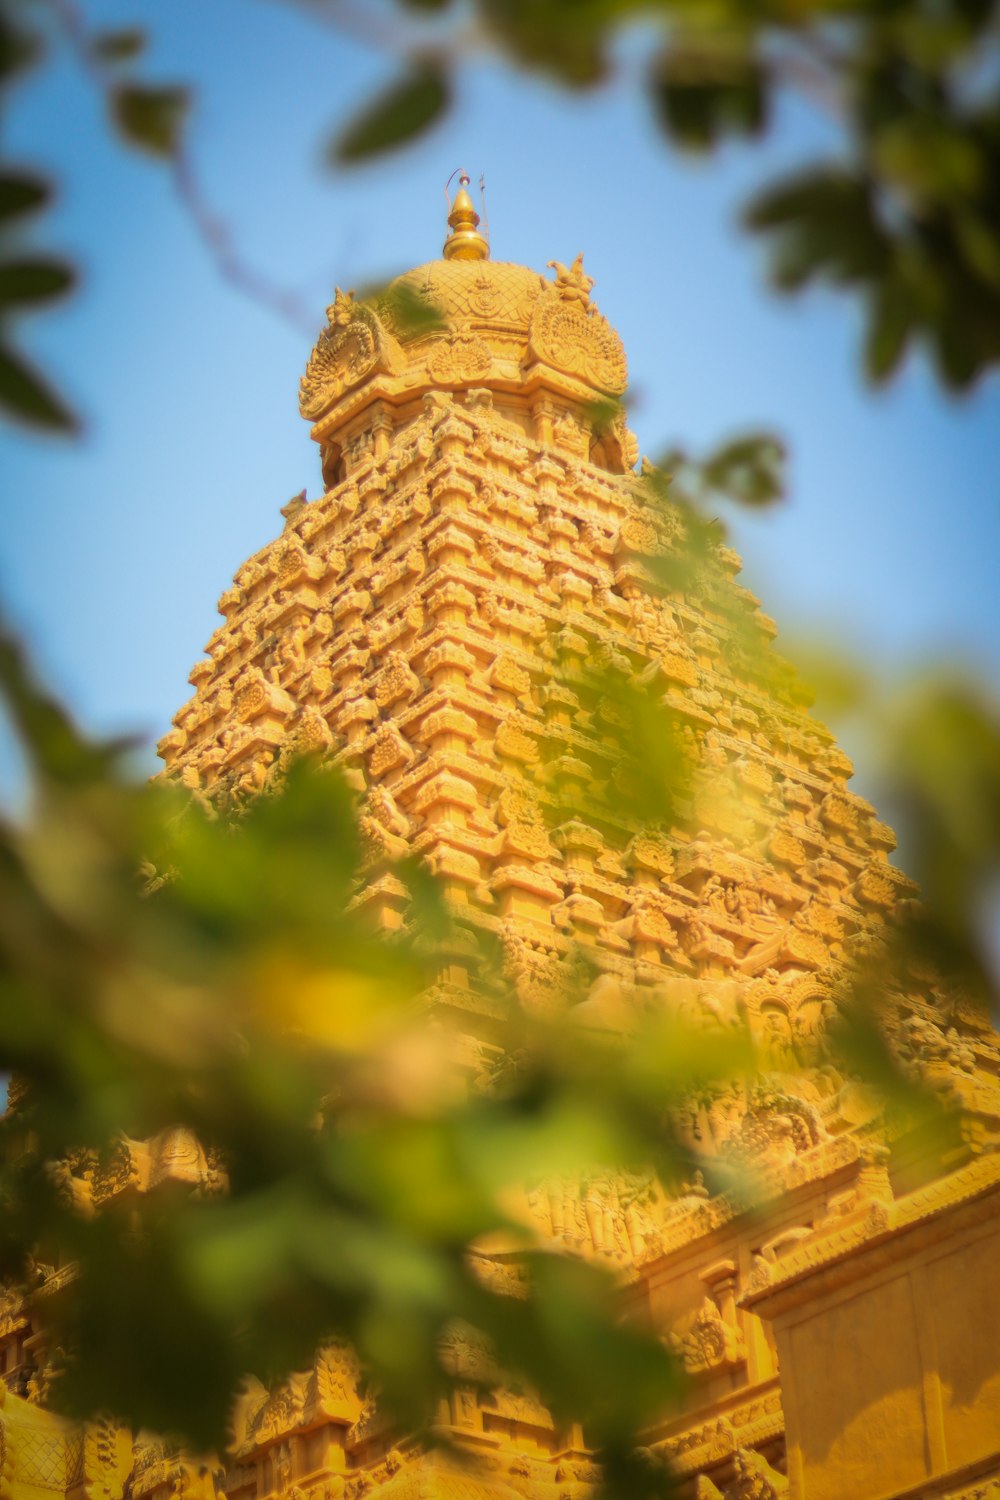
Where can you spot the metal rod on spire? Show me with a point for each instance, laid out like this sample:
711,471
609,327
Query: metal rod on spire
482,203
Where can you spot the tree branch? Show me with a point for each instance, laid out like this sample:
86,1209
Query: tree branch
217,238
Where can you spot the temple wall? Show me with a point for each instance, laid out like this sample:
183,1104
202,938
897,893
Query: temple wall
888,1356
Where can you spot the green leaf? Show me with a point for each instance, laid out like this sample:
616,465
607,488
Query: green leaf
825,224
26,397
18,49
408,108
21,194
409,314
930,159
838,684
958,350
709,86
150,118
639,1473
889,329
978,243
749,470
57,749
31,281
118,46
567,41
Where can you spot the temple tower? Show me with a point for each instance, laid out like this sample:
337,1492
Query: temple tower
445,621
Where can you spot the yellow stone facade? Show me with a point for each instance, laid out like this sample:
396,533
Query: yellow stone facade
433,622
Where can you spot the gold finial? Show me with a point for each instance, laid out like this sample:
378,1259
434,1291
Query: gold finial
465,242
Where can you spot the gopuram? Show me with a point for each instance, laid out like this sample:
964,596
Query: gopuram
483,538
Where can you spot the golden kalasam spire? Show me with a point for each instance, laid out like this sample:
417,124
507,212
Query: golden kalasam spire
465,242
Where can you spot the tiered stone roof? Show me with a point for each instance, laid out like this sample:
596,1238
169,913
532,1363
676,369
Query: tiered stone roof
447,619
452,621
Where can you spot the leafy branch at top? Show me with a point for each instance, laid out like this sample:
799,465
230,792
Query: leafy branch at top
905,216
28,280
147,117
246,1003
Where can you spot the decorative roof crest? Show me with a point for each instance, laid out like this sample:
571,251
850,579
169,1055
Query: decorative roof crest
572,282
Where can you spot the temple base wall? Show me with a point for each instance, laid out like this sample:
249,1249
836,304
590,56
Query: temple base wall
888,1361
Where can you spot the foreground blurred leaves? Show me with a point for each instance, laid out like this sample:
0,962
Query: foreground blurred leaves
905,214
150,118
404,111
940,759
27,279
931,742
173,974
748,470
232,996
243,999
144,116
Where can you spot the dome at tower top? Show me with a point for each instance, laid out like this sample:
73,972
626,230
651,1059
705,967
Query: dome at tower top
463,322
478,293
455,323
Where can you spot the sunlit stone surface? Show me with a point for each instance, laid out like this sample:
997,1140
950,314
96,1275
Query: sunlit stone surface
435,620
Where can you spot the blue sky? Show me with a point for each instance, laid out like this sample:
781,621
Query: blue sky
114,548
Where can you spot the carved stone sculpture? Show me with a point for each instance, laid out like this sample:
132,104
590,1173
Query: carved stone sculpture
444,622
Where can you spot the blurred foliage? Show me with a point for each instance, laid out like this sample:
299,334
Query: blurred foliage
749,470
235,992
402,309
905,214
239,994
119,46
28,280
150,118
932,745
167,967
404,111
